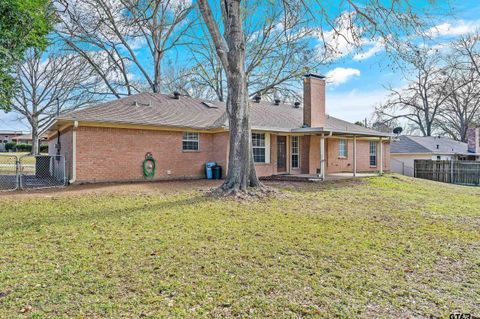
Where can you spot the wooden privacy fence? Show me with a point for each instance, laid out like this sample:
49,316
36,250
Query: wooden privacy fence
456,172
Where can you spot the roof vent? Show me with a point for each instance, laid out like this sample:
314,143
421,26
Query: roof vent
438,146
209,105
176,95
138,104
277,101
257,98
296,105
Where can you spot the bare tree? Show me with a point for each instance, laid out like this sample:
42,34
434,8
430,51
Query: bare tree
184,80
48,84
115,36
442,90
278,52
468,50
462,106
423,97
372,19
230,49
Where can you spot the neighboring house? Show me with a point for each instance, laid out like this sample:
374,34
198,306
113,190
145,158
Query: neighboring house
23,139
108,142
7,137
406,149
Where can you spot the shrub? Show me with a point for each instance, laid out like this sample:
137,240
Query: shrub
10,146
43,149
24,148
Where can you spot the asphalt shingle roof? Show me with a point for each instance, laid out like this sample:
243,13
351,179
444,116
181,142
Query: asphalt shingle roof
164,110
428,144
152,109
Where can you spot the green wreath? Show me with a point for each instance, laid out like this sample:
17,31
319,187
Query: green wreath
149,166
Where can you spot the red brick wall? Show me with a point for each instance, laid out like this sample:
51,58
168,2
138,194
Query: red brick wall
314,155
314,102
267,169
219,152
336,164
304,154
112,154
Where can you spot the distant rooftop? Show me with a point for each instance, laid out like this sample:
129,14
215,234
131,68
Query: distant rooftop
428,144
11,132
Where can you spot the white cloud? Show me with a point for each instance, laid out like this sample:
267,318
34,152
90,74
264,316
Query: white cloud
137,43
457,28
354,105
374,47
339,76
339,42
345,39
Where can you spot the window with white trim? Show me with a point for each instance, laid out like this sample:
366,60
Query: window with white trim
190,141
373,153
342,148
295,140
258,144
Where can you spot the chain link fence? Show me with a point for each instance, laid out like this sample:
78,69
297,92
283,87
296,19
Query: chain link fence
29,171
8,172
402,167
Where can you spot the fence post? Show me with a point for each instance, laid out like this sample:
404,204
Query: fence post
17,176
451,171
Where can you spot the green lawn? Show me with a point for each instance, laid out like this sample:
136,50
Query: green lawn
9,158
384,247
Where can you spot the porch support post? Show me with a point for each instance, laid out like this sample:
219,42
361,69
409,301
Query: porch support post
354,155
322,158
381,156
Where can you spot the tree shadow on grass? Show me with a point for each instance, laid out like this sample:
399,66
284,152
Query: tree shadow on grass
95,214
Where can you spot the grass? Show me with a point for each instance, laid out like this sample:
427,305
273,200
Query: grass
384,247
9,158
8,162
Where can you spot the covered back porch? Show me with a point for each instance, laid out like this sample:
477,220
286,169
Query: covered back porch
297,156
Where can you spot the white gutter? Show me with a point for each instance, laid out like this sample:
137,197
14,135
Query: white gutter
74,153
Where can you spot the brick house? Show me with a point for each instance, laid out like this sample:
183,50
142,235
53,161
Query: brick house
108,142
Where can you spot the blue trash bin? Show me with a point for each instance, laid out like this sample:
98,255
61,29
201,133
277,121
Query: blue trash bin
208,169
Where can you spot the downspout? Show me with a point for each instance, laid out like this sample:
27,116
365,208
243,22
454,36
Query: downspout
74,153
58,131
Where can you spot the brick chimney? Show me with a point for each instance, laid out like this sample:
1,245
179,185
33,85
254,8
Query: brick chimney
473,139
314,100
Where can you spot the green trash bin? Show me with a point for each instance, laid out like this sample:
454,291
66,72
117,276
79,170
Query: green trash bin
217,172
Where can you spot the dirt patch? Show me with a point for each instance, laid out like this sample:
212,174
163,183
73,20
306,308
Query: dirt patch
164,187
115,188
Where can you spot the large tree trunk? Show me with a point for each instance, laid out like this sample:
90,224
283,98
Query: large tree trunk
34,124
241,169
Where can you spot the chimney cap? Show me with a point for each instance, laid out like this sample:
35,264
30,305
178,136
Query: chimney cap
296,105
312,75
277,101
176,95
257,98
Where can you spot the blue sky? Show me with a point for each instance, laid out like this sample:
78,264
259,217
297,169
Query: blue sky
362,81
357,80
